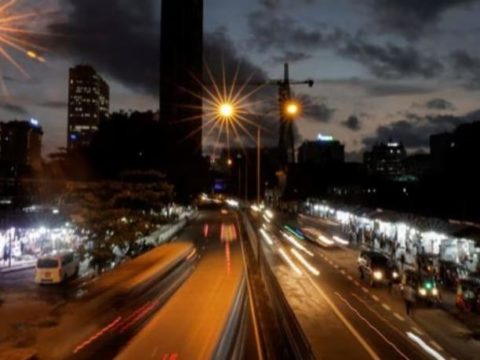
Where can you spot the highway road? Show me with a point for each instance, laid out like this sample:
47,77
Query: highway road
345,318
193,322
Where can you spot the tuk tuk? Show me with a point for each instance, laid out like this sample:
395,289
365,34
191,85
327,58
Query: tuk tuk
425,285
467,298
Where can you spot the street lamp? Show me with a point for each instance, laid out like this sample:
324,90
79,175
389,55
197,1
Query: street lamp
226,112
292,108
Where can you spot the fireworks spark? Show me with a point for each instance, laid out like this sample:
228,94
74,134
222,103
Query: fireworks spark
15,34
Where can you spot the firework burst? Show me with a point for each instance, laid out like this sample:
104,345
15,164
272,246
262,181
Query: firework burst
15,35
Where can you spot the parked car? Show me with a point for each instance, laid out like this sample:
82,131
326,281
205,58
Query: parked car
376,268
424,284
467,298
56,269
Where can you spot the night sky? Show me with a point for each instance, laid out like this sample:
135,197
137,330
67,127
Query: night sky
383,68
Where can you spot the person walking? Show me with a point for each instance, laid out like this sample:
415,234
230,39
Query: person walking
409,298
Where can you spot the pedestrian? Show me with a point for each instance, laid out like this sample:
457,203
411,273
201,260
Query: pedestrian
402,260
409,298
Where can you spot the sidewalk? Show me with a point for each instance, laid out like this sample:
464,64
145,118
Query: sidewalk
464,328
16,266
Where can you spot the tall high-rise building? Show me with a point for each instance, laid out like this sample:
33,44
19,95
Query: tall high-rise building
88,104
20,146
181,59
386,159
324,151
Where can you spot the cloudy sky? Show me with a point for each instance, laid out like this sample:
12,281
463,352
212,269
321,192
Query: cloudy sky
399,69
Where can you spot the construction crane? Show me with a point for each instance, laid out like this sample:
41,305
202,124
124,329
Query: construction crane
286,141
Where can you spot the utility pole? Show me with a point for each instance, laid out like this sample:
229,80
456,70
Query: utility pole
258,163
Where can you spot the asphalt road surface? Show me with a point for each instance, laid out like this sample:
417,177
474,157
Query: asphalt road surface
345,318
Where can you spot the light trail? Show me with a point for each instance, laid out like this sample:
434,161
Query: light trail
304,262
267,237
340,240
428,349
295,243
289,261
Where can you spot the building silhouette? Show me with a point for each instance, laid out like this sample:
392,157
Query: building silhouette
386,159
88,105
323,151
20,147
181,59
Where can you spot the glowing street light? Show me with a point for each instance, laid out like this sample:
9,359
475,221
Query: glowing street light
292,108
226,110
229,162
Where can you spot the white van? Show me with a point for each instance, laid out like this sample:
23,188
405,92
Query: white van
56,268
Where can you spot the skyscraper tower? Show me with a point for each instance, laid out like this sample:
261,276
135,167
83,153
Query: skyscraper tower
181,58
88,105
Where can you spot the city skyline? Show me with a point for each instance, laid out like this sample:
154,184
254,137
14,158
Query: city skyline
375,78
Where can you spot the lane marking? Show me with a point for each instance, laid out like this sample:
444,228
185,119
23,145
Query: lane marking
386,307
357,283
345,322
436,355
365,290
343,272
376,313
398,316
369,324
376,298
349,277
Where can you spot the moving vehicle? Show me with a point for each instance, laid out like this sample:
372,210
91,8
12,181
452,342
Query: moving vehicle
318,237
376,268
424,284
56,269
467,298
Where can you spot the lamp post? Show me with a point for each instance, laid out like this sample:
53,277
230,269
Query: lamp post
226,112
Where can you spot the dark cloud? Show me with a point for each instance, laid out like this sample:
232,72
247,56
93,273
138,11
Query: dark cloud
283,32
388,89
414,131
439,104
117,38
221,57
277,4
291,57
466,67
352,123
391,61
379,88
271,4
14,109
411,17
315,110
54,104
